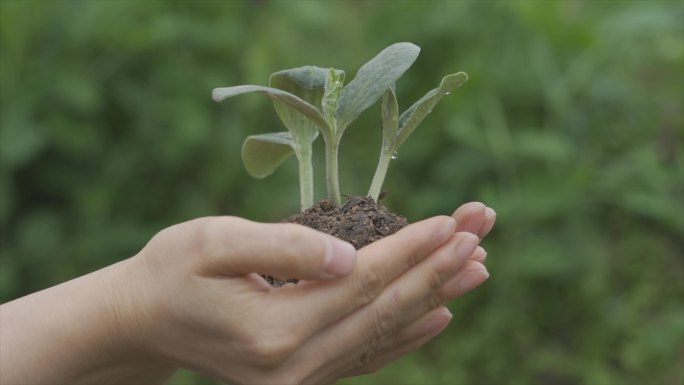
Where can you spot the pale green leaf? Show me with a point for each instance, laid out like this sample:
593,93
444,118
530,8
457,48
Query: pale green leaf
219,94
262,154
372,80
409,120
308,84
334,83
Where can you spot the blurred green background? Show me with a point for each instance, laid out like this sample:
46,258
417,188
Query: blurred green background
571,127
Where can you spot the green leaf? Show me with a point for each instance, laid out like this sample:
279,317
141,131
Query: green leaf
334,83
372,80
411,118
262,154
219,94
308,84
390,114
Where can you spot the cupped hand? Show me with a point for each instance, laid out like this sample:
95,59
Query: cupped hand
195,300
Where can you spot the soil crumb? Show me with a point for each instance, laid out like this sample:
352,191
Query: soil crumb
359,221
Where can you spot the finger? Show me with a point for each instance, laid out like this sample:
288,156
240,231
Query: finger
365,331
378,265
403,342
490,219
471,276
420,329
422,285
234,246
474,217
480,255
470,217
453,288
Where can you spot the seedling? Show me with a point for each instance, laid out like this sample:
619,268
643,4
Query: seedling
312,99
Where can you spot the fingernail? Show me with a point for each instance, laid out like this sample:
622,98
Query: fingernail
489,212
446,230
437,323
474,219
480,254
340,257
473,280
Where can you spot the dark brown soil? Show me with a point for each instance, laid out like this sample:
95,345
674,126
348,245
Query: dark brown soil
359,221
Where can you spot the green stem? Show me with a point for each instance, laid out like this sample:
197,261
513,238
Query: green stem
305,177
332,178
380,172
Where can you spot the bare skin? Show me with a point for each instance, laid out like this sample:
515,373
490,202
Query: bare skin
192,298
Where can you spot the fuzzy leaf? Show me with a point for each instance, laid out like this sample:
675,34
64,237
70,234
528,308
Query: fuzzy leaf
262,154
307,83
372,80
334,84
409,120
219,94
390,114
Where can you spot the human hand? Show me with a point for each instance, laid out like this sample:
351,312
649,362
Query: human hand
195,299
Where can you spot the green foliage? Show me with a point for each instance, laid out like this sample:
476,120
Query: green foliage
571,128
371,81
340,106
396,129
263,153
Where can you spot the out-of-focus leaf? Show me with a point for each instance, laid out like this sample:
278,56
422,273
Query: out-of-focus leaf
262,154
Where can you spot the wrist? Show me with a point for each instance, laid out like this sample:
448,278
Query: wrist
129,326
75,332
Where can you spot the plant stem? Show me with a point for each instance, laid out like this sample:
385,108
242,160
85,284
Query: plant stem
380,172
332,178
305,177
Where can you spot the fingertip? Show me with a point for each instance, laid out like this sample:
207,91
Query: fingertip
474,279
468,208
489,220
340,258
438,321
480,254
470,217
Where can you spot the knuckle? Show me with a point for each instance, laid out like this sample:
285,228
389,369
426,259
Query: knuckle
433,300
363,360
414,254
370,284
207,239
435,281
203,242
385,318
270,352
385,321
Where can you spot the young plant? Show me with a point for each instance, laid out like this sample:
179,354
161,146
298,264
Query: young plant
311,99
395,129
299,108
293,91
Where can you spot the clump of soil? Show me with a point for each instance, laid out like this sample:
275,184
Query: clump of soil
359,221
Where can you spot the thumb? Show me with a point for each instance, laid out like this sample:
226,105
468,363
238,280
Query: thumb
235,246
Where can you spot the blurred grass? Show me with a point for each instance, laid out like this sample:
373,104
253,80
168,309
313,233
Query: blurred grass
571,127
